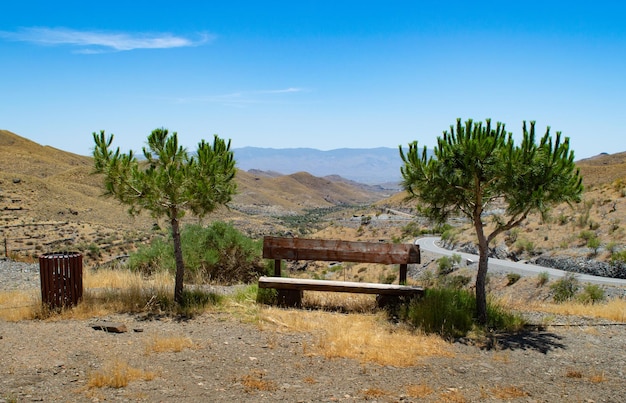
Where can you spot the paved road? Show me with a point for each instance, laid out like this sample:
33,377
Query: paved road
430,244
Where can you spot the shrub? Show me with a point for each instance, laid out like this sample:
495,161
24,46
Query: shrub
591,294
512,278
445,264
565,288
525,245
454,282
543,278
218,253
412,229
451,313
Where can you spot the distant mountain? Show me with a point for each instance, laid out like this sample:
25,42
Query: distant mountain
363,165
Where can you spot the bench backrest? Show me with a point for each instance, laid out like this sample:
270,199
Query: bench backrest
340,251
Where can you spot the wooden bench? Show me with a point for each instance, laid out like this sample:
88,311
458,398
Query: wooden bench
290,289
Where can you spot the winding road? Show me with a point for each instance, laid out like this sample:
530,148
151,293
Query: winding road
429,244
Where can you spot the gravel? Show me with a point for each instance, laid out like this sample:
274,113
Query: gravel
572,359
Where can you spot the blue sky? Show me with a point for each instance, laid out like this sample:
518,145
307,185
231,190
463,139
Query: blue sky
318,74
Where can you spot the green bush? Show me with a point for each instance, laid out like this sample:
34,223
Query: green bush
452,313
218,253
591,294
445,264
566,288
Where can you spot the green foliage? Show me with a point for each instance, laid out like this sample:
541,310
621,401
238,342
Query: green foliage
591,240
195,301
218,253
449,234
512,278
543,278
455,282
475,165
565,288
413,230
169,182
446,264
267,296
525,245
591,294
452,313
618,257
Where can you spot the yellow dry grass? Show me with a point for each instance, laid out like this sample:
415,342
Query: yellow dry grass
418,391
254,381
105,291
364,337
613,309
16,305
508,392
173,344
118,374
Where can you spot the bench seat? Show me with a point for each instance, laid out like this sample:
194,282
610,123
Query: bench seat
292,289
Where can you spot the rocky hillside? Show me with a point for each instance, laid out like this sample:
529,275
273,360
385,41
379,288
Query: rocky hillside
50,200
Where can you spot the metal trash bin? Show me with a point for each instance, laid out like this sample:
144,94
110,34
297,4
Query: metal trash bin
61,279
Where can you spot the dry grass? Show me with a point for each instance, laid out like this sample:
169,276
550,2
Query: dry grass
118,374
364,337
173,344
254,381
375,393
613,309
105,292
593,376
508,392
452,395
418,391
19,305
354,303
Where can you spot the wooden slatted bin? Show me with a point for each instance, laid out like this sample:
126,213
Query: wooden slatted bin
61,279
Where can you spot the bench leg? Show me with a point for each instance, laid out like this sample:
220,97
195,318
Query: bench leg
290,298
403,270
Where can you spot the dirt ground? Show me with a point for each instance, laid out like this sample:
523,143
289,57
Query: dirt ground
574,360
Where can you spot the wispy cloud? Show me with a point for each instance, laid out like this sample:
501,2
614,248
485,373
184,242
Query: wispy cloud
101,41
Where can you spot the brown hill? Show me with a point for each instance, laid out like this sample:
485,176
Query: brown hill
603,168
50,200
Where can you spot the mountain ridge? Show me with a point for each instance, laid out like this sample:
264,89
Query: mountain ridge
370,166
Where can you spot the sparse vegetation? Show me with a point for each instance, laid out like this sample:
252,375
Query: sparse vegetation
447,264
512,278
591,294
118,374
565,288
452,312
543,278
218,253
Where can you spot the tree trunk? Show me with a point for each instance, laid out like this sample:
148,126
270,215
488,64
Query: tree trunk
483,266
481,280
178,256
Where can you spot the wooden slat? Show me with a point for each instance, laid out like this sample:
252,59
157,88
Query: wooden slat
284,283
340,251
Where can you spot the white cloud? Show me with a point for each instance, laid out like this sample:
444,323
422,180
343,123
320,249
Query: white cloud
99,41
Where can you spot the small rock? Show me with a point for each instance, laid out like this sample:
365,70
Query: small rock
110,327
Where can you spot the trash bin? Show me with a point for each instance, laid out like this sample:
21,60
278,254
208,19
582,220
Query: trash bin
61,279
